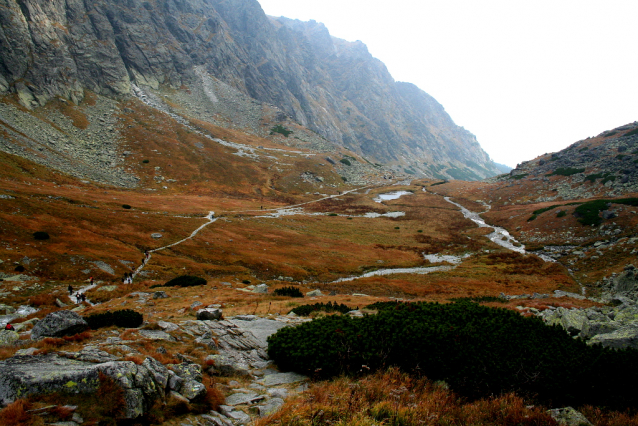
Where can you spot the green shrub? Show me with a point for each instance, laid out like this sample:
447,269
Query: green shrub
592,178
343,178
288,291
280,129
246,282
186,281
561,213
607,179
439,183
566,171
517,177
41,235
305,310
532,217
631,133
333,214
345,161
145,161
478,351
126,206
125,318
588,213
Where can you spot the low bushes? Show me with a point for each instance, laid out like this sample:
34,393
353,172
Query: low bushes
41,235
588,213
288,291
479,351
186,281
125,318
306,310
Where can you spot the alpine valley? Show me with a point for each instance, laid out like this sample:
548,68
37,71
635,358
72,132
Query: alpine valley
210,216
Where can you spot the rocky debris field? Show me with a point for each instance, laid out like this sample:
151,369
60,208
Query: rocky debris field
88,149
237,349
588,169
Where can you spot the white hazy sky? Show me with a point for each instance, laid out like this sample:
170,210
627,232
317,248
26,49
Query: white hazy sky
526,77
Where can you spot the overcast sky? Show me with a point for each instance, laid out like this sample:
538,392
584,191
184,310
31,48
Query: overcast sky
526,77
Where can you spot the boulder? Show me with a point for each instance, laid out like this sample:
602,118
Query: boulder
8,337
160,295
625,337
188,371
261,289
569,416
21,376
58,324
314,293
209,314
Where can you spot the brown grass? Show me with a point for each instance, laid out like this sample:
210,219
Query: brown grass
16,414
395,398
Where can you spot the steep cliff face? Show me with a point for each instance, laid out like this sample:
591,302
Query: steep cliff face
59,48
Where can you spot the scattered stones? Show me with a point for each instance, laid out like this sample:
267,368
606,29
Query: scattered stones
156,235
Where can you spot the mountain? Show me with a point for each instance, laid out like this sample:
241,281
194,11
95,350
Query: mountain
181,48
605,165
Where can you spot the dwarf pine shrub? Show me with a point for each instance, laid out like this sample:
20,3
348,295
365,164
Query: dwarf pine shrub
479,351
186,281
125,318
41,235
288,291
305,310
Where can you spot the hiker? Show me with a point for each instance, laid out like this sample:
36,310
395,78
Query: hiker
70,289
9,327
147,254
91,280
83,296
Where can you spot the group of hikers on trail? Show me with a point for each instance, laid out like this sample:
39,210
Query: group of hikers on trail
79,297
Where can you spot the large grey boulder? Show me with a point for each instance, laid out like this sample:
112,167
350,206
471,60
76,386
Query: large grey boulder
28,375
143,384
626,337
58,324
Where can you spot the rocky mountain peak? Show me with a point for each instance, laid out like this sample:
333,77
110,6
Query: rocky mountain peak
332,86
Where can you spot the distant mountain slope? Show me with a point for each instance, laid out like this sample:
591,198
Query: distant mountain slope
336,88
606,165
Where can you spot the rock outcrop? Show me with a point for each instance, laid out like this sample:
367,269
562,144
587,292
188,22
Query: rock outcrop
336,88
58,324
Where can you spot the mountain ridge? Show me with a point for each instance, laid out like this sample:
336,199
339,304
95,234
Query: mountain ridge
335,88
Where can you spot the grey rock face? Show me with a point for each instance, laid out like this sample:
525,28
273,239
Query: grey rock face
21,376
54,49
58,324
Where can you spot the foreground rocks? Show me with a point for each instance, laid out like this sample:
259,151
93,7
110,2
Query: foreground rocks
238,348
613,326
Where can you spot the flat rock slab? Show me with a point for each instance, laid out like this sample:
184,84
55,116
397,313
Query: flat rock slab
260,328
156,335
243,398
282,379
